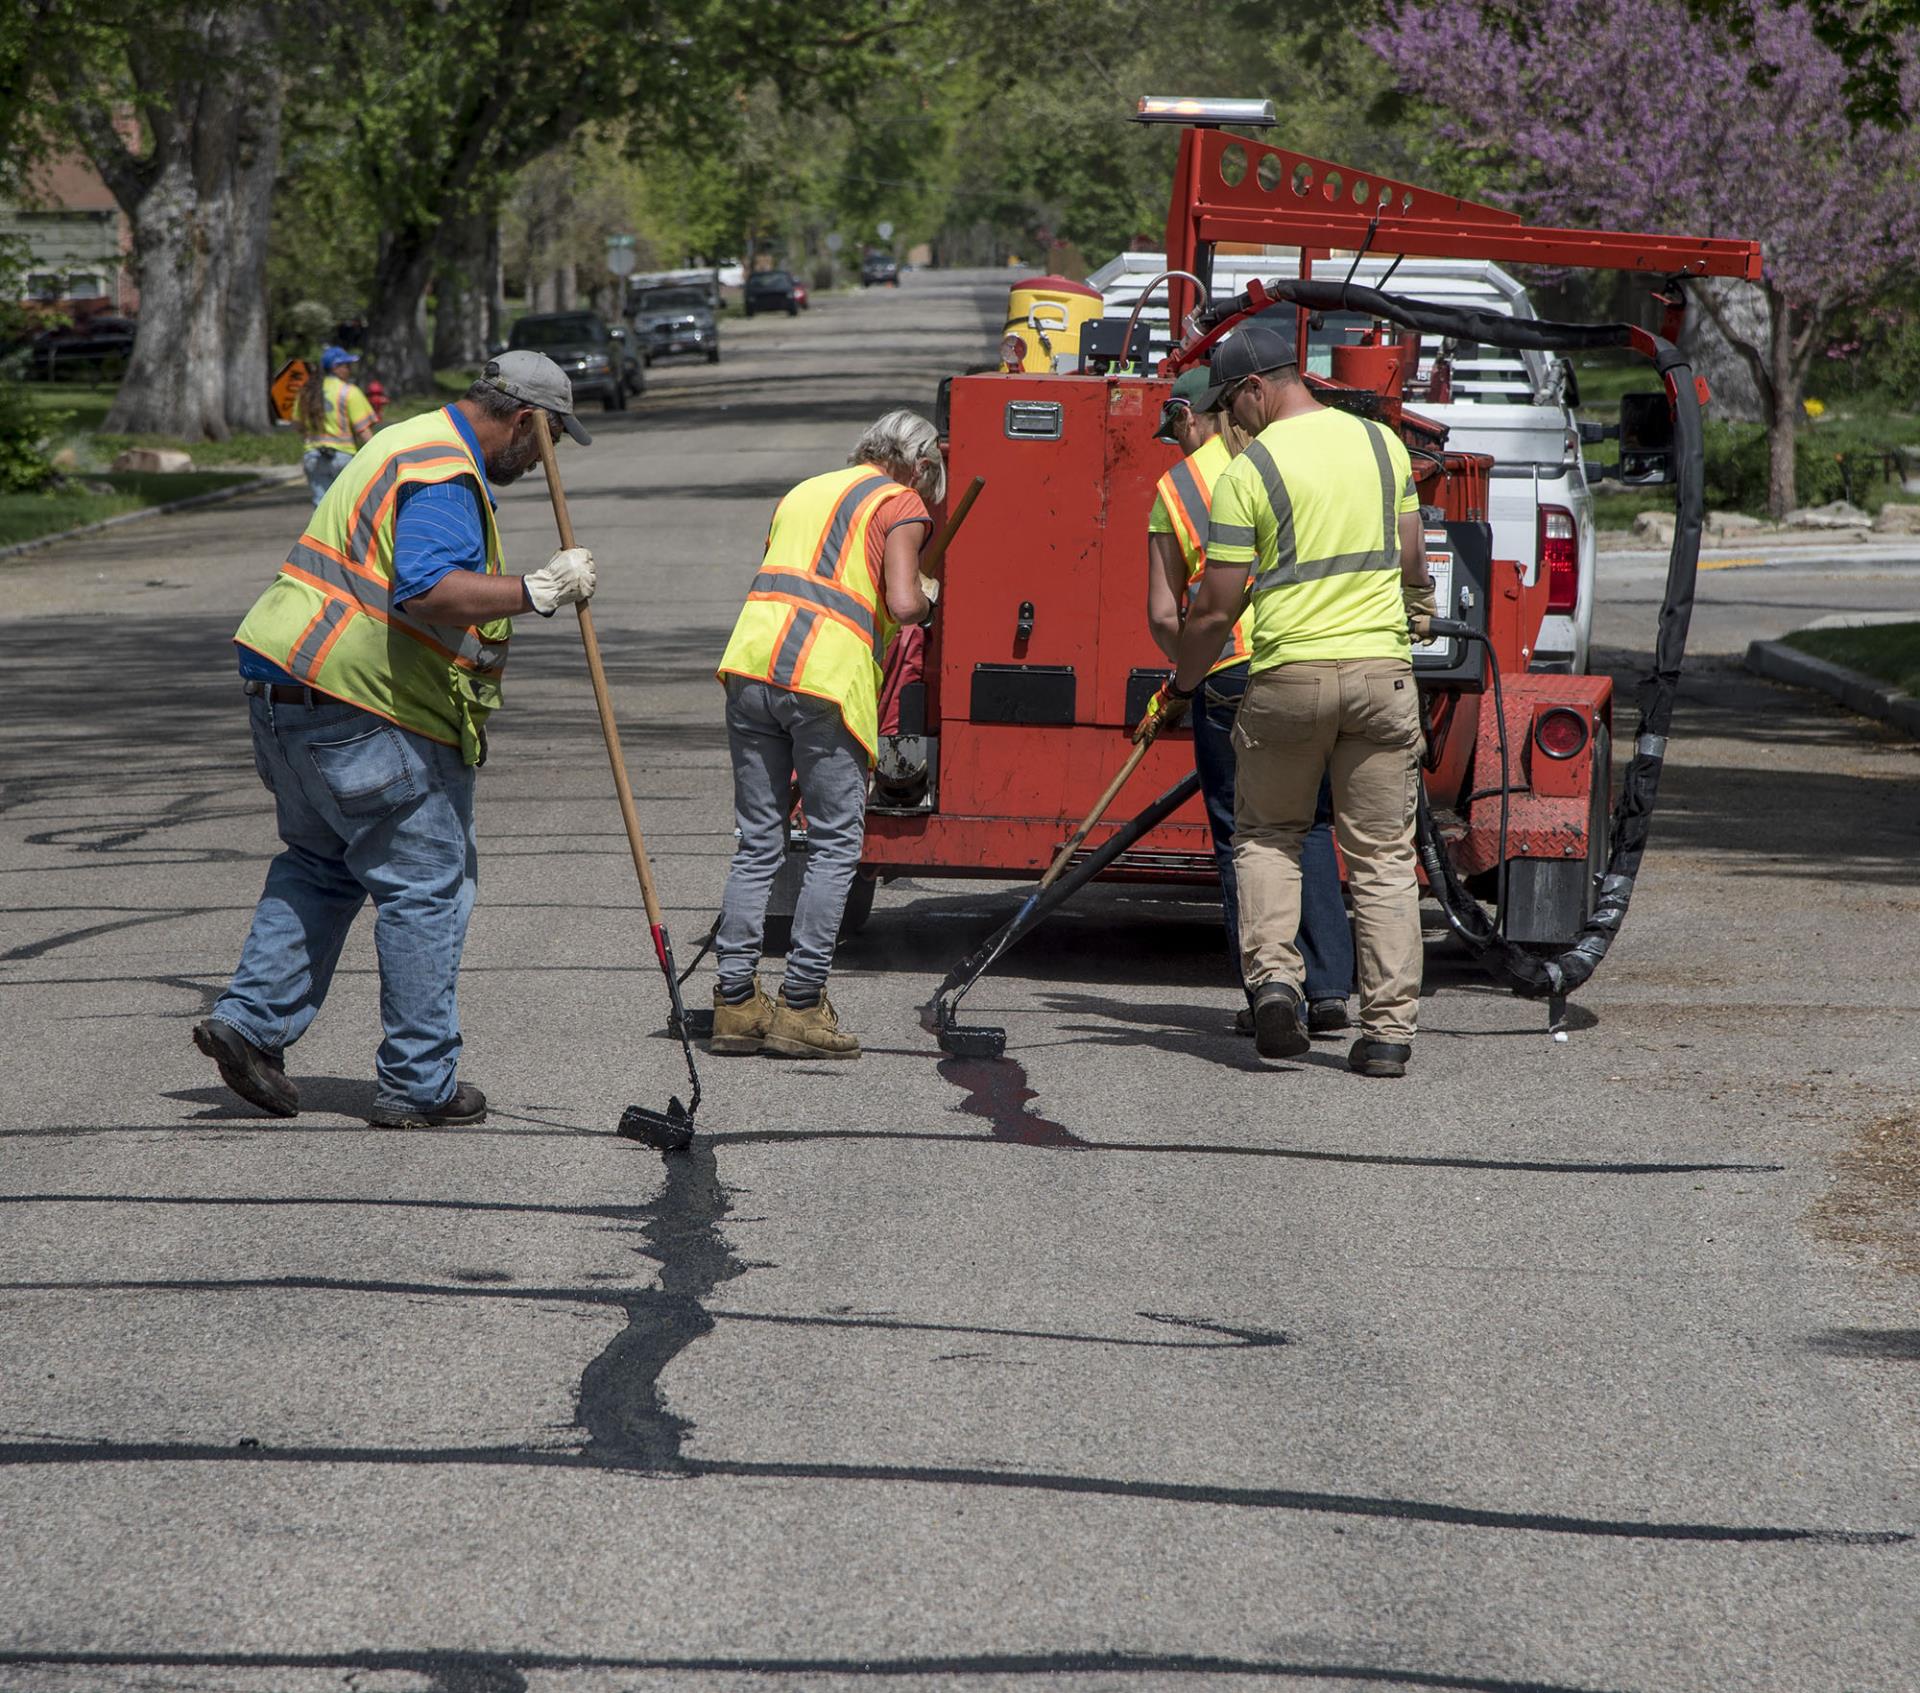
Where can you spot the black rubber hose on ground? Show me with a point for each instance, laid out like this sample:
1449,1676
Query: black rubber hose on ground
1640,786
1042,904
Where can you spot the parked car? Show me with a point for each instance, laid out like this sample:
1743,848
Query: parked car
771,291
673,319
1511,405
99,347
878,268
594,357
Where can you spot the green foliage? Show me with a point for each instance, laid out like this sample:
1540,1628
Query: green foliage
1842,458
24,430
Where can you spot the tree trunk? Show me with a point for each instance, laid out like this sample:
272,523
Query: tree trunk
1725,338
1785,374
465,253
496,289
397,320
199,205
249,332
566,288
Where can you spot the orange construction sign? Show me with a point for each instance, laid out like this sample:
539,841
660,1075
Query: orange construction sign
284,389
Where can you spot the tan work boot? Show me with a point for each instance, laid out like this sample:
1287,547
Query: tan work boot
812,1033
739,1030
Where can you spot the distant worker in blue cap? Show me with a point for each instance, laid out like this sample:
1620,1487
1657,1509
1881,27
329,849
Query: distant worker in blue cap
1176,561
336,419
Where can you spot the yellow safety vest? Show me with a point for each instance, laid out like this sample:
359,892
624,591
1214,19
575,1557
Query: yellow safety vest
336,428
329,619
816,618
1186,495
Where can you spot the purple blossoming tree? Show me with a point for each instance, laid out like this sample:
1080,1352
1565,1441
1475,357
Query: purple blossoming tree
1635,114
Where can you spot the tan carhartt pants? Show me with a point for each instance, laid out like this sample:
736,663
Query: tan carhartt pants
1359,721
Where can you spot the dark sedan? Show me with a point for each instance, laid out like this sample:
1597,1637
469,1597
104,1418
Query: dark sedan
771,291
879,268
593,356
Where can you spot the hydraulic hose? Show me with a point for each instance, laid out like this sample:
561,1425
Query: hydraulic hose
1039,906
1528,974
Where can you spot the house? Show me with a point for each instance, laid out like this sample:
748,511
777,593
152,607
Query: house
78,245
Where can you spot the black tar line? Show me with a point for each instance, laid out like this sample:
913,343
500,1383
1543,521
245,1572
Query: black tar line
505,1672
631,1425
1237,1339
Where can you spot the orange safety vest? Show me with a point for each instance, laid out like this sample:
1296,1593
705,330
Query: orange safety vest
1186,491
816,618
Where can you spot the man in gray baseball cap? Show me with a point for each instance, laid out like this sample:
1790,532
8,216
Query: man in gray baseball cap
371,667
535,379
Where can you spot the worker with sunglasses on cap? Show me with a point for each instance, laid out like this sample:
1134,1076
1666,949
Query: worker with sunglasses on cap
1315,530
371,665
1177,558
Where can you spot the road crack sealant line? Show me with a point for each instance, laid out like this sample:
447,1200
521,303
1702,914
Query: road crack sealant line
1527,974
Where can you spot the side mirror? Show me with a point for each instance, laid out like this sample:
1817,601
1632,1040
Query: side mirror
1646,439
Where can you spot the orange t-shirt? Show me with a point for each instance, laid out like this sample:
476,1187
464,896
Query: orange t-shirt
904,507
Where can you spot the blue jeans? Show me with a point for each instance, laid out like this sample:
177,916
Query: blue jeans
1326,938
367,810
778,737
322,465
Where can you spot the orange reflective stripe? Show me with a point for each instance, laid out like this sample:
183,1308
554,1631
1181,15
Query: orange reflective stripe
844,520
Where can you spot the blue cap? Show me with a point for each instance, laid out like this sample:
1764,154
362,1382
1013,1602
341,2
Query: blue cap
333,357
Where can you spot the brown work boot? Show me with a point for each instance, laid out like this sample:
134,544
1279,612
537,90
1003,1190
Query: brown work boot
812,1033
739,1030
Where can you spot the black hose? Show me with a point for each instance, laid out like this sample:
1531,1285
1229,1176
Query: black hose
1633,816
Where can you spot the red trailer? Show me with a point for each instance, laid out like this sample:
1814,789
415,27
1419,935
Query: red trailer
1040,661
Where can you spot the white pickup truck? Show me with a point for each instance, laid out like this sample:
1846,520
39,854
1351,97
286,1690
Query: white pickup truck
1510,405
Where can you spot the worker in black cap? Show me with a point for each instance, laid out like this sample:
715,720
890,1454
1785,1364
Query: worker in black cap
1315,530
1176,559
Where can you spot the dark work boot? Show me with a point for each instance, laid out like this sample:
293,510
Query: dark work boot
1328,1017
465,1106
1370,1057
254,1074
1277,1029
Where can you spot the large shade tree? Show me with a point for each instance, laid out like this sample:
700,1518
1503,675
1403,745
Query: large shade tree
448,98
1641,114
179,109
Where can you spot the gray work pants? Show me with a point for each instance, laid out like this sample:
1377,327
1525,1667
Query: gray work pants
777,736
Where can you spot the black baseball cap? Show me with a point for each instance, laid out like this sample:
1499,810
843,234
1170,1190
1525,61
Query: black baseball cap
1247,349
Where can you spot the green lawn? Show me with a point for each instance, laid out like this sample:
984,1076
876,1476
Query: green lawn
76,410
25,517
1889,652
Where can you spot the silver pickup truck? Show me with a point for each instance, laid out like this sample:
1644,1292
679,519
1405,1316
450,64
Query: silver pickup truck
1511,406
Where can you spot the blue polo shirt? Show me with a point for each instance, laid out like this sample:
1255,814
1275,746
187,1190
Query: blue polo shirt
438,528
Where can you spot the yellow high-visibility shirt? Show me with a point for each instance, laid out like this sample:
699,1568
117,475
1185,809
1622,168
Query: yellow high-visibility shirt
1313,505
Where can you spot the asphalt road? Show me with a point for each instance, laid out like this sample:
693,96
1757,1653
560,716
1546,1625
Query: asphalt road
1129,1364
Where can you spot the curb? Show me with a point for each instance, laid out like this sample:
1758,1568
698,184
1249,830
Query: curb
1779,662
191,503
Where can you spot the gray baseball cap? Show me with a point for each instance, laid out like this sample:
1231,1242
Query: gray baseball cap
536,379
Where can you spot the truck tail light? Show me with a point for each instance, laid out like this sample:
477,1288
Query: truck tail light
1560,557
1560,732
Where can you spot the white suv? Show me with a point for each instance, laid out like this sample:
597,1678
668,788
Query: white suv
1510,405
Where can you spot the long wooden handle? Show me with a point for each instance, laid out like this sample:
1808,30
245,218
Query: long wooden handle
1099,811
936,549
609,730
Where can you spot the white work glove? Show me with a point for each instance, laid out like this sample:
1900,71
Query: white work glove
565,579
